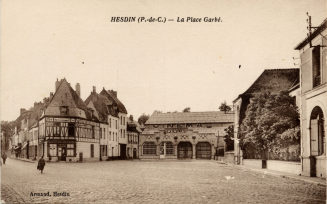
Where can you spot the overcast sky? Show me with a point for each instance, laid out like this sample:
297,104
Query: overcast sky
153,66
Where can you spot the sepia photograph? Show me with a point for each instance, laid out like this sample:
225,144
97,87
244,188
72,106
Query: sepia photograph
185,101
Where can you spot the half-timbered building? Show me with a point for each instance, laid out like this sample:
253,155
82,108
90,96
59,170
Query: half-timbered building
68,131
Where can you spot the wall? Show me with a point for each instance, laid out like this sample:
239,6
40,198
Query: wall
85,147
282,166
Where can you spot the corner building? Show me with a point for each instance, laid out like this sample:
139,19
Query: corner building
187,135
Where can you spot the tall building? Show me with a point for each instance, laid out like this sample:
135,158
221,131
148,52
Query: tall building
68,130
187,135
313,85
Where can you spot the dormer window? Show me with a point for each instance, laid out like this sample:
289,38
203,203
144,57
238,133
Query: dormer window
63,110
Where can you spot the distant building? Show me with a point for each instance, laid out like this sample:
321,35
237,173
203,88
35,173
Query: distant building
187,135
272,80
313,84
133,134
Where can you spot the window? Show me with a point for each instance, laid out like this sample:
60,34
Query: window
71,129
70,150
316,66
116,124
63,110
93,135
92,150
100,133
149,148
53,150
103,150
109,135
169,148
110,122
317,132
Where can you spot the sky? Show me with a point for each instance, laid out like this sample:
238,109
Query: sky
153,66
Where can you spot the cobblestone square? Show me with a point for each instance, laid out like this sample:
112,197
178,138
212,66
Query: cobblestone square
178,181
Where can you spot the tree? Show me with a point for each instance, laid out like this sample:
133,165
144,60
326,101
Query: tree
271,122
224,107
142,119
228,138
187,109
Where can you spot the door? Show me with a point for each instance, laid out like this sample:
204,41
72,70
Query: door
203,150
184,150
134,153
62,153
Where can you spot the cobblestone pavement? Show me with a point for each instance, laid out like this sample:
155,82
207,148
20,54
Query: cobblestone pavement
190,181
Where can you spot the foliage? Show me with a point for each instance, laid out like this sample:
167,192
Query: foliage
271,121
187,109
228,138
8,129
224,107
142,119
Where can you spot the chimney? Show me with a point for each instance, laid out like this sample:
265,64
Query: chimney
57,84
131,117
94,89
51,95
78,89
22,110
113,93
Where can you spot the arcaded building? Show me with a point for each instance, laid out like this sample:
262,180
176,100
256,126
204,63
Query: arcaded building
186,135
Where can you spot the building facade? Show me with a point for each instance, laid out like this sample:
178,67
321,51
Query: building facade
133,133
68,130
189,135
313,85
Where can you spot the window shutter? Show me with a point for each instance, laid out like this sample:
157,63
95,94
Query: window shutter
314,137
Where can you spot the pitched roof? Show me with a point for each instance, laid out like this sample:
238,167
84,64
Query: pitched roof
319,29
273,80
133,126
113,98
65,95
101,104
191,117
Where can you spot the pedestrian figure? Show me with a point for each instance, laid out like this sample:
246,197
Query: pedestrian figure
41,164
4,157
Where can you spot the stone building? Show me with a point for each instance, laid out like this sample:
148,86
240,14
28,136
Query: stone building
133,133
272,80
107,112
68,130
186,135
117,121
313,86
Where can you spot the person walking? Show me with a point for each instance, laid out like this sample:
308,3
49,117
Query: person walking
4,157
41,164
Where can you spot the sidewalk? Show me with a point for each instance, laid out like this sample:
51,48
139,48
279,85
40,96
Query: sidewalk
22,159
313,180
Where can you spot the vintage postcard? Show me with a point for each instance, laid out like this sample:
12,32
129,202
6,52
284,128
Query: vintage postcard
186,101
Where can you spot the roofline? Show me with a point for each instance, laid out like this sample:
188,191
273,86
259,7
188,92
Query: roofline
265,70
320,28
162,123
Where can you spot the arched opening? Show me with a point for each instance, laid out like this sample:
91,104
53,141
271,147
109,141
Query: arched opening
203,150
149,148
166,148
317,133
184,150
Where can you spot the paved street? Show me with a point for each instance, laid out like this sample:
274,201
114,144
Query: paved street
151,182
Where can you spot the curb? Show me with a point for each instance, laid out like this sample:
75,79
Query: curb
279,174
24,160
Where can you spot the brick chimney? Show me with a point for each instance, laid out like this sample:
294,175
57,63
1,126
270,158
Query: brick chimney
57,84
113,93
78,89
22,110
94,89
